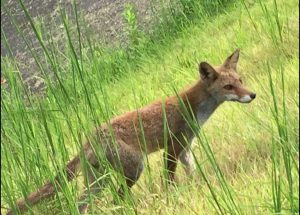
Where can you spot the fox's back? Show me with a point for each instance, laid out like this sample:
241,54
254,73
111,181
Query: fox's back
146,126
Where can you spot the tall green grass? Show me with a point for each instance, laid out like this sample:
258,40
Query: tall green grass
246,156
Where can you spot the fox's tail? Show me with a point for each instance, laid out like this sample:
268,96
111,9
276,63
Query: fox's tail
47,190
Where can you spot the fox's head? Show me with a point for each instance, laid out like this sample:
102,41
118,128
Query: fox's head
223,82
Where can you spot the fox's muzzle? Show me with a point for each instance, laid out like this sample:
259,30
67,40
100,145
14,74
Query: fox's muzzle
247,98
252,95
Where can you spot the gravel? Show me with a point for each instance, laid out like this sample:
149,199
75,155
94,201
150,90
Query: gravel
103,16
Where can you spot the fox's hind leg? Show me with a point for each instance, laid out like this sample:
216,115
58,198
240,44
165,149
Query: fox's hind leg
130,180
130,164
94,186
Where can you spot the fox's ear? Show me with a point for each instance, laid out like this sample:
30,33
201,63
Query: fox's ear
232,60
207,72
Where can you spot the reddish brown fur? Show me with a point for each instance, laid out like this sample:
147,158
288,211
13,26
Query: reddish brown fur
203,97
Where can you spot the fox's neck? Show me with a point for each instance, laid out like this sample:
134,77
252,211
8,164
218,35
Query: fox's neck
202,103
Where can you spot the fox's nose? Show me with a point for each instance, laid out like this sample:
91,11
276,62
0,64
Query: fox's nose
252,95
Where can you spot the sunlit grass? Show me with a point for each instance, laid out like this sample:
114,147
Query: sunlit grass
255,145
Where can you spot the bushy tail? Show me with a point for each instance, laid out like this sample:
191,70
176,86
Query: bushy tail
47,190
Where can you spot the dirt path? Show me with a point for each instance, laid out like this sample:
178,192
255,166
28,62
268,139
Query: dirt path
103,16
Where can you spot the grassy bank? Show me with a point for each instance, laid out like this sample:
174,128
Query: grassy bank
255,145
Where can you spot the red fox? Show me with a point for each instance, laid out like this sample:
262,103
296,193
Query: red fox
124,150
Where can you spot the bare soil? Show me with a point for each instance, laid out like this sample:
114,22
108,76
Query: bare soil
104,17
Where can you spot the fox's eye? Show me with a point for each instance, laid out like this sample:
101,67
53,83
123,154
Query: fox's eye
241,81
228,87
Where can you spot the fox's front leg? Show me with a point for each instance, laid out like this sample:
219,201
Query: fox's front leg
187,159
171,164
171,156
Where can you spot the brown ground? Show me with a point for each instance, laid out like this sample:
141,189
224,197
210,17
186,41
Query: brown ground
103,16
